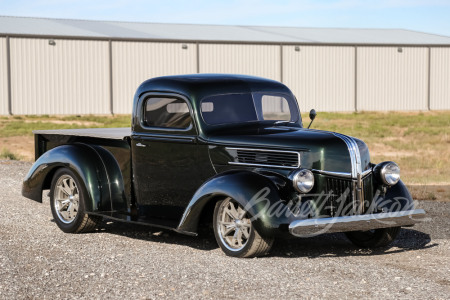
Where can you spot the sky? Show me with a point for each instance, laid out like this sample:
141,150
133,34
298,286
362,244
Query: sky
432,16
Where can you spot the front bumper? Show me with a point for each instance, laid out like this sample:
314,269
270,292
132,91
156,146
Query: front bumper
310,227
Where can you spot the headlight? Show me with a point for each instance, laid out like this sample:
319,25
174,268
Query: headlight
303,180
389,172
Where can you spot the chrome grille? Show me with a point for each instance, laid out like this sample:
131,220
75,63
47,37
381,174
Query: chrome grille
367,191
342,199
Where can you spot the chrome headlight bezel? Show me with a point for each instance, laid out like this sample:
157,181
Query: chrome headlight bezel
389,173
302,180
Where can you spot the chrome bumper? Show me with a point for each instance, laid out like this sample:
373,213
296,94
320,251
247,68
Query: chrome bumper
307,227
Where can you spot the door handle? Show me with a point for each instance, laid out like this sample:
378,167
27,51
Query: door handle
141,145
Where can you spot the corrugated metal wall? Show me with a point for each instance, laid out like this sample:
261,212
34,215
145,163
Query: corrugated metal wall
70,77
257,60
134,62
389,79
73,76
3,78
440,78
321,77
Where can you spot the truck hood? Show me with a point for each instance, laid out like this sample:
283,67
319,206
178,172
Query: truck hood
319,150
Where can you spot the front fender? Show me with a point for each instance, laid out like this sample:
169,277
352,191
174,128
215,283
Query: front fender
255,192
397,198
81,159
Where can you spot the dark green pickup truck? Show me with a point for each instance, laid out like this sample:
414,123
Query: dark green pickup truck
225,152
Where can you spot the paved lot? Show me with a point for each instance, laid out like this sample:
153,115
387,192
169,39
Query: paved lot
37,260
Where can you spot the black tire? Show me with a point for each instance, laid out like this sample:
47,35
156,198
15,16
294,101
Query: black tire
373,238
255,245
69,210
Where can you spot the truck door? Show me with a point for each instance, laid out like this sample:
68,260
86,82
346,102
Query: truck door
164,156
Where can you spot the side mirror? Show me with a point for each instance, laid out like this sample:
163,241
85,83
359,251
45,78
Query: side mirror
312,116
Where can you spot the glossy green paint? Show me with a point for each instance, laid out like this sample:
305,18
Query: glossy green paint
168,157
195,87
397,197
106,175
116,162
257,193
165,179
82,159
163,158
319,150
172,174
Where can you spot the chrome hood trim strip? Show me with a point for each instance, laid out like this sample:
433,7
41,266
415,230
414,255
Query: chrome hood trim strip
355,156
331,173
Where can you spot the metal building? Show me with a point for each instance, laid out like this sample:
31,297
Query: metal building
55,66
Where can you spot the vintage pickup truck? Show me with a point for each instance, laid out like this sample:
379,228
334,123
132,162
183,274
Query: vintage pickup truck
226,152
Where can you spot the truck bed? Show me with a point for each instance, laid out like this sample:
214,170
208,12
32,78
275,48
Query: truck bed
103,133
46,140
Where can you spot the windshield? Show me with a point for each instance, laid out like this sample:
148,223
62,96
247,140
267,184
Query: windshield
249,107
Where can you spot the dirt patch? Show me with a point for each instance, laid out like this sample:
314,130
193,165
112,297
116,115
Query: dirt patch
79,123
381,148
396,153
439,192
19,145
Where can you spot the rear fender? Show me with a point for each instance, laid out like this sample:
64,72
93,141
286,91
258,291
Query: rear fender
255,192
80,158
115,182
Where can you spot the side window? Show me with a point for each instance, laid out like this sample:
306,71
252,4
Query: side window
275,108
167,113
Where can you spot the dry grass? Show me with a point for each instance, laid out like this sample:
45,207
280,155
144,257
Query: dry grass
418,141
24,125
20,146
6,154
16,132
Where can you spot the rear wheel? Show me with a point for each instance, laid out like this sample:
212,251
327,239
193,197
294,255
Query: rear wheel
67,196
235,232
373,238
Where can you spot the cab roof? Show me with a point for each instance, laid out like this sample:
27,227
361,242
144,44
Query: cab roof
197,86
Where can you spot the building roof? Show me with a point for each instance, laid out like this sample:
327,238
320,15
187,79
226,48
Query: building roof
25,26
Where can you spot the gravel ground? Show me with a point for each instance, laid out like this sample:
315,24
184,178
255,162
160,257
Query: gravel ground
37,260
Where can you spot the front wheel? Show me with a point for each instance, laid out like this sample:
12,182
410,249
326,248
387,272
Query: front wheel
67,196
235,232
373,238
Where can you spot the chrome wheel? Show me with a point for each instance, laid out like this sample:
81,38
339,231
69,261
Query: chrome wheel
233,225
67,199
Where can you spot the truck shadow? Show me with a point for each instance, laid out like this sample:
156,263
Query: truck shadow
326,245
337,245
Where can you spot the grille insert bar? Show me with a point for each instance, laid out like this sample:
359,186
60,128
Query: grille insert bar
265,158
